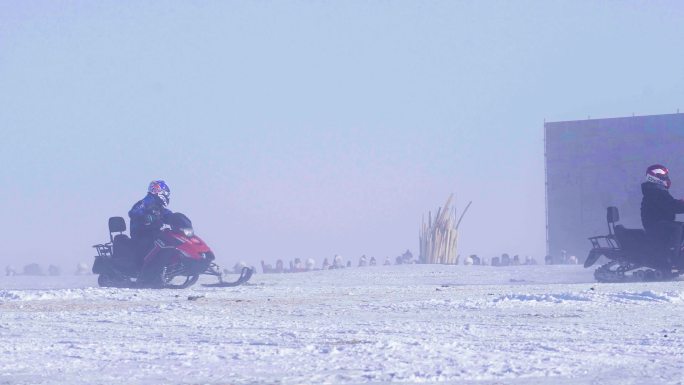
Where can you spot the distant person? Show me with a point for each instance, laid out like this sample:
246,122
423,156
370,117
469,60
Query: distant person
338,263
148,216
363,261
298,265
659,209
505,259
407,257
372,262
516,260
33,269
266,267
496,261
82,269
326,264
10,271
54,270
237,268
310,264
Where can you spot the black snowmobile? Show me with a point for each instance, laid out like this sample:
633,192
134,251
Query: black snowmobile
176,260
633,255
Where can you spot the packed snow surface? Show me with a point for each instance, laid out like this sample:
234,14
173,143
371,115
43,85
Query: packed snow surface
403,324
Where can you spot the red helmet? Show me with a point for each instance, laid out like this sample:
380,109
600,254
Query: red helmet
658,174
161,190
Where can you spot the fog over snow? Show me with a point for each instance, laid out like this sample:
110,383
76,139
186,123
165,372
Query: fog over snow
306,129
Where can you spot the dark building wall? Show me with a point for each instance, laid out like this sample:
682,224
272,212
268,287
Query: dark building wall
596,163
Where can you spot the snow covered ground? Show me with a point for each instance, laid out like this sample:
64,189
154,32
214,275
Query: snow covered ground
408,324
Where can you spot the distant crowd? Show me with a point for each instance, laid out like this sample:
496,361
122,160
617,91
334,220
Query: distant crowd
299,265
53,270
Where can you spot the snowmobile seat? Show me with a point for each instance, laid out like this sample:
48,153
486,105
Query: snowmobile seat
124,253
123,250
122,245
635,244
630,238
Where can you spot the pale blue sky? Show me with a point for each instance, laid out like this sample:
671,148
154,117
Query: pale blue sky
304,129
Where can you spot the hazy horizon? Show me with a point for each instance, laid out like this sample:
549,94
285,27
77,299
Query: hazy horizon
309,129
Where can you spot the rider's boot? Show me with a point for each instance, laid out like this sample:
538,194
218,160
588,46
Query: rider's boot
674,258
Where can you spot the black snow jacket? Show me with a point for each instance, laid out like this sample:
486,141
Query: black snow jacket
148,215
658,205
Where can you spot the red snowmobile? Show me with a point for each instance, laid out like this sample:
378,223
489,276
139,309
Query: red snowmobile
176,260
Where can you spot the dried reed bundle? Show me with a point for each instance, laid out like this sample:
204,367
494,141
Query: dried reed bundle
438,238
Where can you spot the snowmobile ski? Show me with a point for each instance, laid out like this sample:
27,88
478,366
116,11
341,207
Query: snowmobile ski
245,275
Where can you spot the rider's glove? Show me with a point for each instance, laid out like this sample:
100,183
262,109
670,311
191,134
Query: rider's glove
149,219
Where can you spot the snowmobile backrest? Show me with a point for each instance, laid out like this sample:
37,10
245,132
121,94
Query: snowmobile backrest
116,225
612,216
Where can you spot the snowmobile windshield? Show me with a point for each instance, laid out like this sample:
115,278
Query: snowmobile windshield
179,222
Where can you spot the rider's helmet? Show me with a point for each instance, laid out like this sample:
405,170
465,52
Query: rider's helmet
658,174
161,190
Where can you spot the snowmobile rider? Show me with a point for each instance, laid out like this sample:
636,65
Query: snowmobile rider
658,210
148,216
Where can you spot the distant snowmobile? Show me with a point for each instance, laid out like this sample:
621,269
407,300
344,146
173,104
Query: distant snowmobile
176,261
633,255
